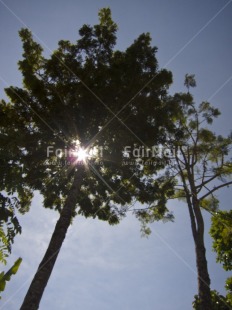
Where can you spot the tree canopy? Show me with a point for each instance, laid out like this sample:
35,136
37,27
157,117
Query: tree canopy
74,96
86,96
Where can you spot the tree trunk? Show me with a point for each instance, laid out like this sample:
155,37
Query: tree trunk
201,262
38,284
203,277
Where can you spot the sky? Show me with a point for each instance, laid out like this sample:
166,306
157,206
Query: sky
103,267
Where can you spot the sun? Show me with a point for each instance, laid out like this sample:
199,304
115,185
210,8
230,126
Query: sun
81,154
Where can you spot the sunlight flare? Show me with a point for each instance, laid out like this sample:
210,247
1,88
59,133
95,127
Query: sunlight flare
81,154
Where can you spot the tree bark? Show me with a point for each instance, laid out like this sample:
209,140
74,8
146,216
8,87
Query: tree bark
201,262
40,280
203,277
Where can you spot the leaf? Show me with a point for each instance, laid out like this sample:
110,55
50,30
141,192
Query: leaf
7,276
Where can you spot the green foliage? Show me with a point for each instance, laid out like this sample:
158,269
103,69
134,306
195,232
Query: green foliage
219,302
190,81
210,204
14,193
6,276
208,112
162,191
228,287
9,225
221,232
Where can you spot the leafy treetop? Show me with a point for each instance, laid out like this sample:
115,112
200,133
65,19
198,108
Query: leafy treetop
84,92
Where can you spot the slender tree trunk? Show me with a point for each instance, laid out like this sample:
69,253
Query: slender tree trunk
203,277
197,224
38,284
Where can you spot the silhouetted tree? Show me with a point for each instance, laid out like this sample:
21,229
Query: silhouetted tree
198,167
86,95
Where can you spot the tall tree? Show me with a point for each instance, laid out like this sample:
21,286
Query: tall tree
86,97
198,167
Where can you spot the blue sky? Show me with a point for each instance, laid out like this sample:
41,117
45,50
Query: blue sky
102,267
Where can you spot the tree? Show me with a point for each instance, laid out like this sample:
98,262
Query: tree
221,230
69,107
198,167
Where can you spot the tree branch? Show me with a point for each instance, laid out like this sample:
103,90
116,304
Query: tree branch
215,189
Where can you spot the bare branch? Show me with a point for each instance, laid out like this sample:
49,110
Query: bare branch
207,181
215,189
